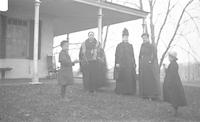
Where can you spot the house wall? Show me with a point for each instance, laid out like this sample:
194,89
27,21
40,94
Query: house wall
23,68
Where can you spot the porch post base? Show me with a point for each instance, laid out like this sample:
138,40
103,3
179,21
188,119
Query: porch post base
35,83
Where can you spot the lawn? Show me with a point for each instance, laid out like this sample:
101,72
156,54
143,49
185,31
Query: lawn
42,103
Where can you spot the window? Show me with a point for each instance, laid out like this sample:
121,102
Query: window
17,38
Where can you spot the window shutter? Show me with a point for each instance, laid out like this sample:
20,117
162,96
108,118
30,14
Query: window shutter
3,27
31,39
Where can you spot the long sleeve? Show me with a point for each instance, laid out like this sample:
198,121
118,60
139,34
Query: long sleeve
80,54
154,53
116,70
133,56
117,55
140,58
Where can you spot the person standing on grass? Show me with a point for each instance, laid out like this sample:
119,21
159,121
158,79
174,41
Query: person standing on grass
173,91
124,70
65,74
149,83
93,64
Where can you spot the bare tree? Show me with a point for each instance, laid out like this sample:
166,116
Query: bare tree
175,31
156,38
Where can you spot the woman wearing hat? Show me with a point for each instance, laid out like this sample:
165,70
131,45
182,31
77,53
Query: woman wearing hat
173,91
149,84
124,71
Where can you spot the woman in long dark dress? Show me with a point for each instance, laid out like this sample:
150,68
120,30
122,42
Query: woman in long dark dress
149,84
173,91
124,71
92,64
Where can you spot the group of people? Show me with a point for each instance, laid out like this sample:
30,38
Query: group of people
92,62
148,77
125,74
93,66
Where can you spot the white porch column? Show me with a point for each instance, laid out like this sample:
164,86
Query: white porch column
4,5
100,25
67,36
35,79
144,25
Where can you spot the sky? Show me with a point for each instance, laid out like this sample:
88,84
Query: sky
186,46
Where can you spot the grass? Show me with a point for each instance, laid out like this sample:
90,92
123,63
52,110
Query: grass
42,103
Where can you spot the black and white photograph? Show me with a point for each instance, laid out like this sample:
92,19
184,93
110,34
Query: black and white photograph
99,61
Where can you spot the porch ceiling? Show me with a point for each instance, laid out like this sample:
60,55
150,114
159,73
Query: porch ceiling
77,15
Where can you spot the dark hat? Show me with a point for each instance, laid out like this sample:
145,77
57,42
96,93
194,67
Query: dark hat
145,34
125,32
63,42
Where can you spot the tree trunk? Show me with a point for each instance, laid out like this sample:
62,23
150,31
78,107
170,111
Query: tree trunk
105,39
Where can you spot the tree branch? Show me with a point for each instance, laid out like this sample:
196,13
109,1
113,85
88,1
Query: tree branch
194,56
141,5
105,39
141,8
176,29
164,22
187,41
154,3
152,27
192,18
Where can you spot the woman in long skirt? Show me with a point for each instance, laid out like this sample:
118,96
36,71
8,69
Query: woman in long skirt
173,91
149,83
92,64
124,71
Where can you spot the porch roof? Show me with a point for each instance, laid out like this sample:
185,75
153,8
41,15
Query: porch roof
77,15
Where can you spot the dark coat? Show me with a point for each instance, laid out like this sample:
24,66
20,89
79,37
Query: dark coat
93,69
173,91
65,74
125,74
149,83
